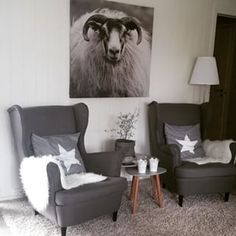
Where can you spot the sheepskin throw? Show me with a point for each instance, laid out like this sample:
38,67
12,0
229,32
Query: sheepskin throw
216,151
33,172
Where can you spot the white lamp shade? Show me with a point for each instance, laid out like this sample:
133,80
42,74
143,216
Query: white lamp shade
205,72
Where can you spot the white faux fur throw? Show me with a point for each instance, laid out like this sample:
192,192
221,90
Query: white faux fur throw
33,172
216,151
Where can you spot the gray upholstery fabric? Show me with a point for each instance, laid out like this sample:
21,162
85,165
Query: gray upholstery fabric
193,170
174,114
183,177
46,121
63,120
82,212
175,134
90,192
206,185
49,145
105,163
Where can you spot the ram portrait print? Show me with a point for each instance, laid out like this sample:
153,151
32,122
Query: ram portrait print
110,54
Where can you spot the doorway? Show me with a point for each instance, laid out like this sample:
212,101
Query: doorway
222,102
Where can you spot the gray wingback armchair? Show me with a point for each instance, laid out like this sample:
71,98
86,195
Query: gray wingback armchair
182,177
70,207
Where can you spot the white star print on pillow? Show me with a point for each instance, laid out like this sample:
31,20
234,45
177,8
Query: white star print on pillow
69,163
67,157
187,138
187,144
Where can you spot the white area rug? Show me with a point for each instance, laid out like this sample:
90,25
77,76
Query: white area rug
205,215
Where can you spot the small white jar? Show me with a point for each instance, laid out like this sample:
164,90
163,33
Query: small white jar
153,164
142,166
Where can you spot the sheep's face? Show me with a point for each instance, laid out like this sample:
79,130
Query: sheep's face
113,36
112,33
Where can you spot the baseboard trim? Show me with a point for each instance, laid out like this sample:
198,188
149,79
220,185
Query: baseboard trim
12,197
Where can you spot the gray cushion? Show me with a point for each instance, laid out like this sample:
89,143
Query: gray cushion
48,145
188,138
193,170
90,192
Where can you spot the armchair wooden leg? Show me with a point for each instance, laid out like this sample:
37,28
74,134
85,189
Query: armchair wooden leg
63,231
181,198
114,216
227,197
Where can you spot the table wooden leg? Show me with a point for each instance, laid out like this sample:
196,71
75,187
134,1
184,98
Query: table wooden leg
135,194
132,189
159,193
153,187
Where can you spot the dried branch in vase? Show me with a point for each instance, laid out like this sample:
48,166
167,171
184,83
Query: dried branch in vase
125,125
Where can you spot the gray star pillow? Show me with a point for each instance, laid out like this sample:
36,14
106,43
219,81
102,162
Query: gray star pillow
188,138
49,145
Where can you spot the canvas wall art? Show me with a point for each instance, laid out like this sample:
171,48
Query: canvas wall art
110,49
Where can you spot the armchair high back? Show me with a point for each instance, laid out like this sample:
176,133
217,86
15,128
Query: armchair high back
70,207
184,177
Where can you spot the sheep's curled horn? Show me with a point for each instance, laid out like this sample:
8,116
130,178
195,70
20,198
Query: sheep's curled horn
97,20
131,24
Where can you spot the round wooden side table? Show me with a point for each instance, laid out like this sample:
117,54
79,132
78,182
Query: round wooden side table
155,184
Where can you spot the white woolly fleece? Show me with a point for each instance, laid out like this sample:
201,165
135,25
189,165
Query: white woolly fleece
33,173
216,151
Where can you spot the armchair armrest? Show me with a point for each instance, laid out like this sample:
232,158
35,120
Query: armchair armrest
170,155
232,147
105,163
54,181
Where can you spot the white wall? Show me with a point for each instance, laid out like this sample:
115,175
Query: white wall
34,56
